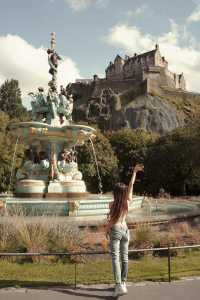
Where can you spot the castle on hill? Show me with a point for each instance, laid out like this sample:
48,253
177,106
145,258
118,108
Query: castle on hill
149,70
112,102
149,65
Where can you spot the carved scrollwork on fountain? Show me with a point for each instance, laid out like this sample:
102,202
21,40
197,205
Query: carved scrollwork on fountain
73,207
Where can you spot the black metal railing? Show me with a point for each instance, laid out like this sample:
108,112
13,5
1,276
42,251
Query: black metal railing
168,249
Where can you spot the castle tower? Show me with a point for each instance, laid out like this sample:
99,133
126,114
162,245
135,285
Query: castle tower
115,70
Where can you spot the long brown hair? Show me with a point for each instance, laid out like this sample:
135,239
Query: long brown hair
119,206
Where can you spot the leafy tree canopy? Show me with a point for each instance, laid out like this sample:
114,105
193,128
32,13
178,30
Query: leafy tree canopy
10,100
173,162
7,149
130,147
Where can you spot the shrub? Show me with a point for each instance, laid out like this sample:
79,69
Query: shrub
141,238
66,238
32,237
7,237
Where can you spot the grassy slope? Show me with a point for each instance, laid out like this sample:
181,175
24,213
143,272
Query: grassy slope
190,107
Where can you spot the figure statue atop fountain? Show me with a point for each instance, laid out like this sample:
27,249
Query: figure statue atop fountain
54,109
53,59
40,106
53,101
66,105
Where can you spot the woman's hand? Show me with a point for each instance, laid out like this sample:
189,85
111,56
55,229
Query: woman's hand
138,168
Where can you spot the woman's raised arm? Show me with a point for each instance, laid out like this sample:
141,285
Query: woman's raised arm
137,168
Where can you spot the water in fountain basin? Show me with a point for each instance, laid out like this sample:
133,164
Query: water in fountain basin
13,164
97,166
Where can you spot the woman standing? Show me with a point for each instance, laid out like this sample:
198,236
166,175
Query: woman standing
119,233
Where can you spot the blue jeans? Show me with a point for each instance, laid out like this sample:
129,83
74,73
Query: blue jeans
119,241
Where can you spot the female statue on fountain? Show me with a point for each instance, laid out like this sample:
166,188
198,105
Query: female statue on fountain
67,167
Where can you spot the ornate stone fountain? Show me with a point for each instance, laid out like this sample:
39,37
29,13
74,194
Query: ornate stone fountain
49,179
50,168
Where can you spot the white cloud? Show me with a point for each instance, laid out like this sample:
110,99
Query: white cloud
102,3
177,45
29,65
195,15
138,11
80,5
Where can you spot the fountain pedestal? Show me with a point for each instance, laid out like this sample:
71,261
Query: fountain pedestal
66,188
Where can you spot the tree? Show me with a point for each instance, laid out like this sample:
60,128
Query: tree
7,149
173,163
130,147
107,164
10,99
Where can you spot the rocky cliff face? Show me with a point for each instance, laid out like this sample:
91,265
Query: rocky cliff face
155,113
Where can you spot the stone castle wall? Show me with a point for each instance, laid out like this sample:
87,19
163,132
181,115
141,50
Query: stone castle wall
118,86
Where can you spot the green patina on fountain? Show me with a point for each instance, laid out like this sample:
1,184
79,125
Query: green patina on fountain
49,180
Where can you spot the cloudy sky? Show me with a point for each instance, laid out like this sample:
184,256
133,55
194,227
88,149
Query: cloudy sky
91,32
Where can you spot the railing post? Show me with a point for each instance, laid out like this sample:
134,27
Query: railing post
169,264
75,275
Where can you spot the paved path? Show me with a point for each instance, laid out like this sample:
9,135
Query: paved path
181,290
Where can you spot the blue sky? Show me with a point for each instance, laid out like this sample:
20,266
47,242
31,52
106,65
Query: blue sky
91,32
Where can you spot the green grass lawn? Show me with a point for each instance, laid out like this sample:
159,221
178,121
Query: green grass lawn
96,271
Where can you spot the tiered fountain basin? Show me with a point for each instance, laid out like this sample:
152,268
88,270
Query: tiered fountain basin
29,188
53,139
92,205
41,195
70,134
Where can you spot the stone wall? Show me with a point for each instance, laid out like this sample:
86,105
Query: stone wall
118,86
